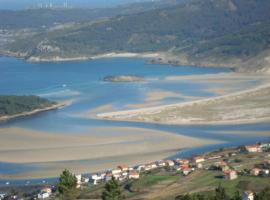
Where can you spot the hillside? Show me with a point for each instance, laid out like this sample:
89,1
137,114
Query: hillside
220,33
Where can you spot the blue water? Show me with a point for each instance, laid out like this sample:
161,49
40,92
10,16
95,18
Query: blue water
82,82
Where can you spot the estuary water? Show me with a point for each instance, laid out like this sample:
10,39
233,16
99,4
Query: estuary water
82,83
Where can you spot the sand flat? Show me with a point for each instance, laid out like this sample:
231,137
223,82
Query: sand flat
27,146
100,149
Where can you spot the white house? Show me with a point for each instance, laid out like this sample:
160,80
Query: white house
117,176
150,166
79,179
230,174
108,177
43,195
116,171
134,175
253,148
2,196
97,178
198,159
248,195
161,163
169,163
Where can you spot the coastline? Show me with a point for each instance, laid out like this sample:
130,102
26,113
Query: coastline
36,111
94,57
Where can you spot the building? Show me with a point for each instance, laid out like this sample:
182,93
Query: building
161,163
230,174
2,196
253,148
198,159
123,167
214,157
108,177
199,165
248,195
150,166
169,163
134,175
79,179
116,171
45,193
140,168
85,179
182,161
97,178
186,170
117,176
47,190
255,171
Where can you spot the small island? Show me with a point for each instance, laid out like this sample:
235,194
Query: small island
18,106
124,78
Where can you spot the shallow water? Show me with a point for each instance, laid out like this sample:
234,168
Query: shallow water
82,82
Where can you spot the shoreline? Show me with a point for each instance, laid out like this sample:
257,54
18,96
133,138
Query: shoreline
127,115
153,56
34,112
36,59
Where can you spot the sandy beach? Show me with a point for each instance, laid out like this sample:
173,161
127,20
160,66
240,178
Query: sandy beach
246,106
91,57
97,148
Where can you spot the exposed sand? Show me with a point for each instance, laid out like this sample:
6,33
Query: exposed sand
221,77
247,133
92,113
23,146
242,107
53,169
102,149
157,97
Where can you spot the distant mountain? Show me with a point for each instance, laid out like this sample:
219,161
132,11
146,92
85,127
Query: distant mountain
47,17
25,4
208,32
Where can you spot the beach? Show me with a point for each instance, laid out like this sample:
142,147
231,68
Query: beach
250,105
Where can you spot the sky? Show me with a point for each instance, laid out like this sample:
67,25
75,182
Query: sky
24,4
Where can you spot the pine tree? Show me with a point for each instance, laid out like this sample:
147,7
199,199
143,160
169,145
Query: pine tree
221,194
67,186
237,196
112,191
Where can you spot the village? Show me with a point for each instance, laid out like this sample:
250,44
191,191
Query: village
233,163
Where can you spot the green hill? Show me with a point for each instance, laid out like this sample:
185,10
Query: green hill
219,32
13,105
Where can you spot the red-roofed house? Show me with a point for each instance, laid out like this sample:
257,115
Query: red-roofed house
230,174
186,170
134,175
123,167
